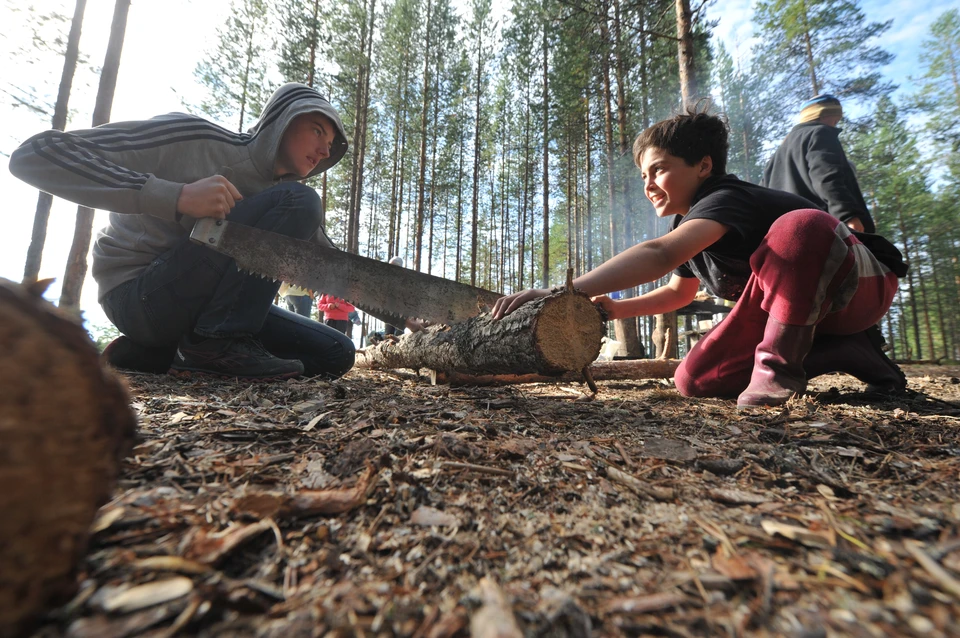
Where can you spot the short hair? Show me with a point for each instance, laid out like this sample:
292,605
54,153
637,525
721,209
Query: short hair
690,136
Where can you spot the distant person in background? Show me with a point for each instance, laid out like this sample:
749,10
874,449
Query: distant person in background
354,318
811,163
297,299
336,312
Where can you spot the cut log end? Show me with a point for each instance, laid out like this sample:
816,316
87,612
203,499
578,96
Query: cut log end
549,335
568,332
65,425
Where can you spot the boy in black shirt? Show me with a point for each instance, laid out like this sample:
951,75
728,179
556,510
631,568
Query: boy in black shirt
793,270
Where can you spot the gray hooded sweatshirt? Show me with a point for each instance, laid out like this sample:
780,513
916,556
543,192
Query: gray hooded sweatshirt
136,171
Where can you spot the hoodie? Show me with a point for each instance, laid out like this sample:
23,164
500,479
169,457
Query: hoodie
137,169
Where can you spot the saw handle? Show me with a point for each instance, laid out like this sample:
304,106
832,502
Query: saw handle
208,231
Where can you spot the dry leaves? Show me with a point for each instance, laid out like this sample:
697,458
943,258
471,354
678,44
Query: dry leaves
378,504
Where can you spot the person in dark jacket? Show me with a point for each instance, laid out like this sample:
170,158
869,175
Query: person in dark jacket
811,163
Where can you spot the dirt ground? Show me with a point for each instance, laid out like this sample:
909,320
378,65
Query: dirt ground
379,505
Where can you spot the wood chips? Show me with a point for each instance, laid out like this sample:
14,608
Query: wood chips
379,505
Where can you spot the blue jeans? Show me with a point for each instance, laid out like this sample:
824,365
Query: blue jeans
192,288
300,304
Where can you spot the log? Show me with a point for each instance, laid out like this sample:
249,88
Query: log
548,336
65,425
627,370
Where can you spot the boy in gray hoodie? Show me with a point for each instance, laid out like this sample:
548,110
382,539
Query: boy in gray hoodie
182,306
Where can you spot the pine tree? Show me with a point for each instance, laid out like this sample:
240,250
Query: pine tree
235,72
891,174
76,268
807,47
738,97
303,37
71,55
940,93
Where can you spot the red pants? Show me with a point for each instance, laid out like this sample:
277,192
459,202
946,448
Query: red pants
808,270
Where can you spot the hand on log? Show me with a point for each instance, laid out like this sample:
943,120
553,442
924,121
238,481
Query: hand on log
65,426
548,335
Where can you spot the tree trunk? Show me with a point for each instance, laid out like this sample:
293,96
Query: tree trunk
65,426
422,178
550,335
31,268
433,165
913,292
360,149
686,57
546,153
475,201
938,301
665,336
459,256
77,260
588,241
353,209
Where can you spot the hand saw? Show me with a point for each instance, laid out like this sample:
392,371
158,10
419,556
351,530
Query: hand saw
388,292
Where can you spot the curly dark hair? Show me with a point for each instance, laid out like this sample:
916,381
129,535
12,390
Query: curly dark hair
690,136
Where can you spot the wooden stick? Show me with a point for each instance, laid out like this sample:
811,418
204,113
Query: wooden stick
629,370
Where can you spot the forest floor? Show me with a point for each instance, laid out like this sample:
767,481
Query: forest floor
634,512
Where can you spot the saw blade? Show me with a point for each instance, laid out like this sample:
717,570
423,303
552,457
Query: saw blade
383,290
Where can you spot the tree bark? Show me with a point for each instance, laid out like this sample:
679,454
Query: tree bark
546,153
688,77
422,177
77,260
65,426
550,335
31,268
475,201
665,336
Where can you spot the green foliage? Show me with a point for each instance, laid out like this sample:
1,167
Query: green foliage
816,46
939,94
739,91
102,334
48,26
235,72
303,39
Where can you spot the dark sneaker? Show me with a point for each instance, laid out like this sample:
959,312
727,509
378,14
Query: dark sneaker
242,358
125,354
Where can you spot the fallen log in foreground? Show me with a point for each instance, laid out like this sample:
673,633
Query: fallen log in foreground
599,370
548,336
65,425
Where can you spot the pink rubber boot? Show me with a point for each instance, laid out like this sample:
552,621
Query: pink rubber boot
778,365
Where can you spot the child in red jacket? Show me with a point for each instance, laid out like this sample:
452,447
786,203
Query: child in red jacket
336,312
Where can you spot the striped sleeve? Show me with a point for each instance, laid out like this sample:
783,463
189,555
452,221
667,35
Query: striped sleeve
117,167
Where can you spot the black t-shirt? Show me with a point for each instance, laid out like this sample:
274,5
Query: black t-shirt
748,210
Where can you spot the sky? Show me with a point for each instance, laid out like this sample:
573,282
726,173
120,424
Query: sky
166,38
